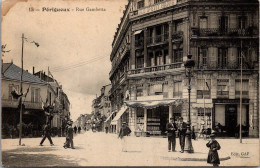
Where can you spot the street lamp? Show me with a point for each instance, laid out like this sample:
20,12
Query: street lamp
189,64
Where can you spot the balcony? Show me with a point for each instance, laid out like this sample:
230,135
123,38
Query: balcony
229,32
14,104
162,38
232,66
177,36
159,68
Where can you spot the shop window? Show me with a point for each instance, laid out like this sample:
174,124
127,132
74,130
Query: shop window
177,91
222,88
203,88
140,4
13,88
245,88
178,55
201,112
222,57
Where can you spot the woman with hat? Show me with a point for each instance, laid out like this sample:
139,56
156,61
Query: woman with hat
124,131
213,146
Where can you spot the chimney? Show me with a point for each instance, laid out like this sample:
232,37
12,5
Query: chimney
33,70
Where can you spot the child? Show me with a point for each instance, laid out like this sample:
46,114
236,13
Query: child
213,146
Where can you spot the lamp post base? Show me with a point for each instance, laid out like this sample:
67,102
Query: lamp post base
188,144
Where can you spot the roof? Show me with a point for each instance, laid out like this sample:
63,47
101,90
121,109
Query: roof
11,71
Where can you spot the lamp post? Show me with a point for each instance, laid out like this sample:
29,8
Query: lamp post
189,64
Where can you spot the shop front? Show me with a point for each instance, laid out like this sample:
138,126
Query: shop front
226,115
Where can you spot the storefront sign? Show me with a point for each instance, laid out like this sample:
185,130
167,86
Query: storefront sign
156,7
230,101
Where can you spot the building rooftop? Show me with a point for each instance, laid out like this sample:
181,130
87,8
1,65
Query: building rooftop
13,72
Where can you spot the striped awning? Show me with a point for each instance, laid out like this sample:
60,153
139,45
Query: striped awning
150,104
119,114
109,117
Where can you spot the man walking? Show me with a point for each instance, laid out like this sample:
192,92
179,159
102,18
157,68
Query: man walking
75,129
70,135
171,128
182,128
124,131
47,134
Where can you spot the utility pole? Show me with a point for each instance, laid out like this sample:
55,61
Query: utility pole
21,91
241,84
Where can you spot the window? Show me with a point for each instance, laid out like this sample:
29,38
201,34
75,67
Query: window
139,91
245,88
35,95
203,88
157,1
223,23
222,57
244,52
13,88
203,22
201,112
222,88
177,90
139,112
202,54
140,4
242,21
140,62
178,55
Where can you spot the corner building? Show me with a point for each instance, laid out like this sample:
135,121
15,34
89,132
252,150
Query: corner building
150,47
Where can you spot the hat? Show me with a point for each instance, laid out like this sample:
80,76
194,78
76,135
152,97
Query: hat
212,135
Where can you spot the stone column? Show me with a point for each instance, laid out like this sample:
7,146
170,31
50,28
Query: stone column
145,119
170,43
132,51
170,112
145,48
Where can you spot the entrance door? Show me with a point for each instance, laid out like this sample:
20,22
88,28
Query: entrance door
231,119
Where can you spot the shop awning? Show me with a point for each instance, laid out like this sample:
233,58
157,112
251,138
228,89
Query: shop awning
207,105
109,117
118,115
138,32
149,104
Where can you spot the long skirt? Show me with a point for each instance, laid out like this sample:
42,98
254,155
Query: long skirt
213,157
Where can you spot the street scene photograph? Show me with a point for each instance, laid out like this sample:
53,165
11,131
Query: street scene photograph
129,83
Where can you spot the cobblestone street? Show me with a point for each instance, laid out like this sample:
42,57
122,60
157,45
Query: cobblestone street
100,149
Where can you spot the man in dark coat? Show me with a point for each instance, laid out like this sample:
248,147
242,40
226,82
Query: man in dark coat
123,132
213,146
182,128
171,128
47,134
79,129
75,129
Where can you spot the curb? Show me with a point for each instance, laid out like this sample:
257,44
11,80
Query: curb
191,159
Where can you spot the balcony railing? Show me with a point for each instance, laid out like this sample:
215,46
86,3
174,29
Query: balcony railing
233,32
155,68
230,66
158,39
14,104
177,36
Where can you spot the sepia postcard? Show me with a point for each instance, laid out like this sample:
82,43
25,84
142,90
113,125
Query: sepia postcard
129,83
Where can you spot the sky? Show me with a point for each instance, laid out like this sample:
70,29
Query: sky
75,45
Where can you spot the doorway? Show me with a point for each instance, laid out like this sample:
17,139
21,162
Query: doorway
231,119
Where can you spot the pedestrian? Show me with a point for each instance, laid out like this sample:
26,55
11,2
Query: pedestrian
182,128
106,128
123,132
79,129
171,128
75,129
47,134
69,137
213,146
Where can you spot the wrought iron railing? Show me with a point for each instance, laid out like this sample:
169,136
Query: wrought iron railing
158,39
155,68
204,32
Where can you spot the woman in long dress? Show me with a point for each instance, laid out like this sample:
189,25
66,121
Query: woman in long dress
213,146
